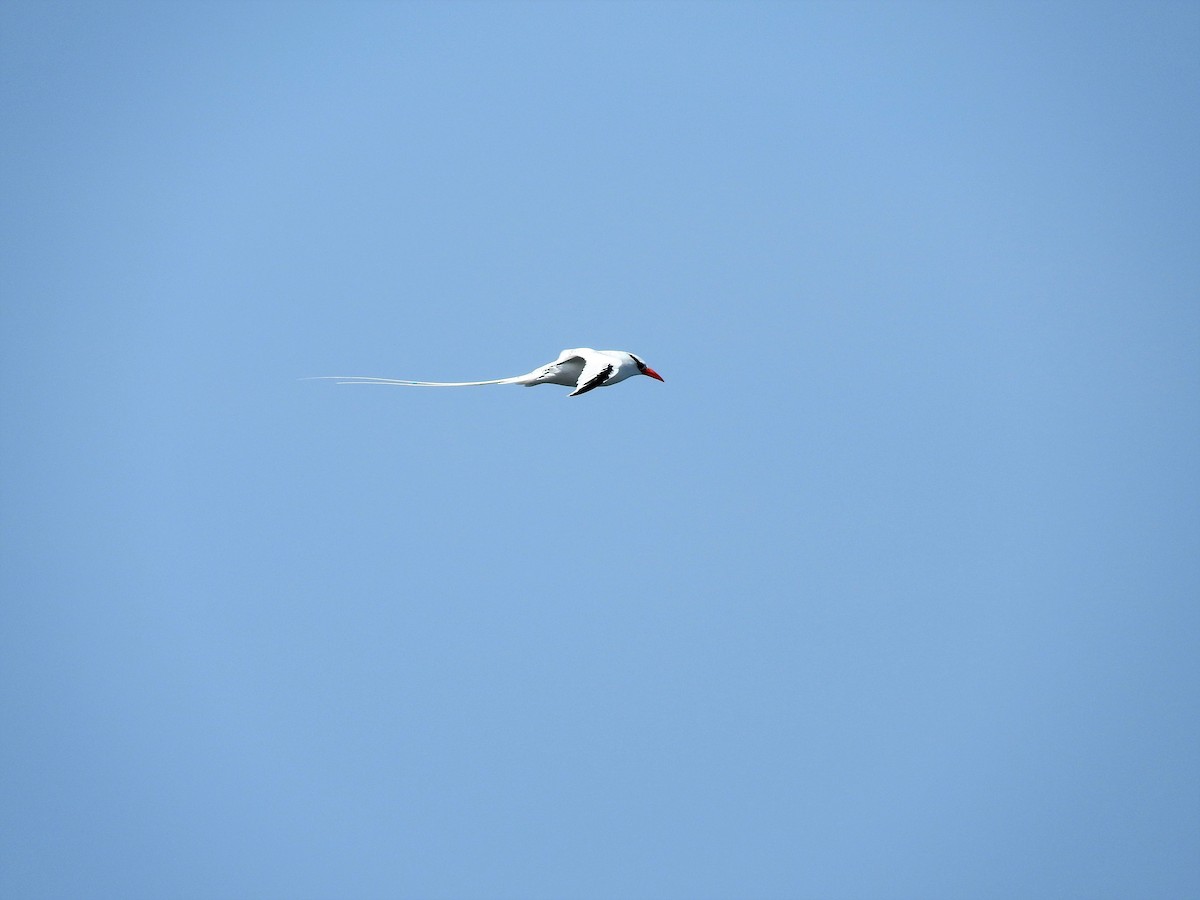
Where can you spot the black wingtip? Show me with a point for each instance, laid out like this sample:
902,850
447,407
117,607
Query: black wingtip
600,377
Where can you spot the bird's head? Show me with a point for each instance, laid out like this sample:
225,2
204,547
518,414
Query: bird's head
645,369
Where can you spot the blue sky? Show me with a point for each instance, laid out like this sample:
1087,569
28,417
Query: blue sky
890,591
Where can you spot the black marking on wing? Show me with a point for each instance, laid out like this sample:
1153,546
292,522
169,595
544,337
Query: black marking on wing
602,376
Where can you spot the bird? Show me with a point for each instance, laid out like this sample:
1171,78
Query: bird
582,368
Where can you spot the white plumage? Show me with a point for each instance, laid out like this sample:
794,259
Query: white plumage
583,368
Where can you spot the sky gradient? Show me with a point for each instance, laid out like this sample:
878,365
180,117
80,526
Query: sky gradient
891,590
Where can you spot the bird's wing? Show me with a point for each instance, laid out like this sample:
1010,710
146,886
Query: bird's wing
571,369
597,369
564,370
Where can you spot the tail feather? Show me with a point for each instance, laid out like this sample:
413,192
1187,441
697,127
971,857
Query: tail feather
367,379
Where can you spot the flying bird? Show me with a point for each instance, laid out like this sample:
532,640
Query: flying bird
582,368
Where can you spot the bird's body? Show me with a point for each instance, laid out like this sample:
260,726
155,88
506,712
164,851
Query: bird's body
583,369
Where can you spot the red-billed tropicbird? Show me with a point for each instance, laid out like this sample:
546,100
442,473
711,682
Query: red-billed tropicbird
582,368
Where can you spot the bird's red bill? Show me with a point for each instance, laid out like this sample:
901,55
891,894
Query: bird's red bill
649,371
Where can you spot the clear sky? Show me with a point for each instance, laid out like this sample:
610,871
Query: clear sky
892,590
